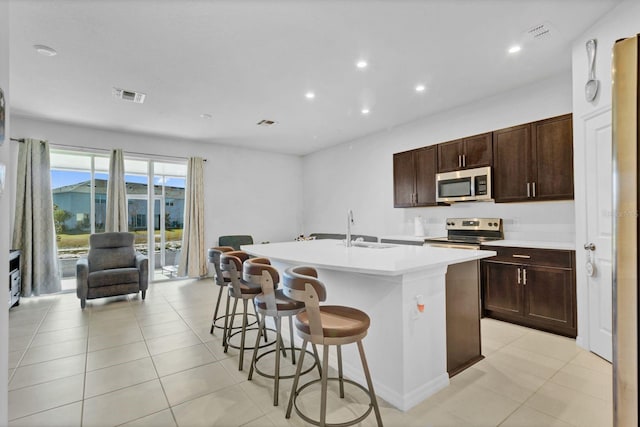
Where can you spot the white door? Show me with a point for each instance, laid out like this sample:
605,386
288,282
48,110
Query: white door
598,183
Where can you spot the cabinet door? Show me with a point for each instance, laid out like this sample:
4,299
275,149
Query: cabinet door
502,292
477,151
450,156
404,179
425,163
549,299
511,163
553,149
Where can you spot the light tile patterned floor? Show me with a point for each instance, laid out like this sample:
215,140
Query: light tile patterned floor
124,361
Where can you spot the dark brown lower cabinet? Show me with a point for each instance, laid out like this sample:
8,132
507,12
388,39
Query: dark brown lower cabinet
463,316
531,287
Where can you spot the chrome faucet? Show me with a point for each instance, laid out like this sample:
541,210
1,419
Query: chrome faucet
349,222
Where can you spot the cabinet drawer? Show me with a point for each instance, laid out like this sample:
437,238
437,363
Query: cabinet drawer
529,256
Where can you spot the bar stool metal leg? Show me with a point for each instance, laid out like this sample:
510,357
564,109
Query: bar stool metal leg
215,312
276,380
325,372
244,333
372,393
296,379
293,353
340,377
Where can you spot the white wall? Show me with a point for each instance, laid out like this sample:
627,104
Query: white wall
621,22
359,174
4,214
246,191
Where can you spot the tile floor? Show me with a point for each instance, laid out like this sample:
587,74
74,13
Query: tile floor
124,361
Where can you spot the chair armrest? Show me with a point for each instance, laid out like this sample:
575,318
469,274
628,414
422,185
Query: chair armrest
142,264
82,277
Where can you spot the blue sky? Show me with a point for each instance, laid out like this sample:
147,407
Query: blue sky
61,178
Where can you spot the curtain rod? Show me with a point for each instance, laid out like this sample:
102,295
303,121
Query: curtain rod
126,152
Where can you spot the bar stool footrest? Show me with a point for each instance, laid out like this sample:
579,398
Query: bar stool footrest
342,424
282,377
215,325
237,347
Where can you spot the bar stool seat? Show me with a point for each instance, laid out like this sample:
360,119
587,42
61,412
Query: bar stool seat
337,321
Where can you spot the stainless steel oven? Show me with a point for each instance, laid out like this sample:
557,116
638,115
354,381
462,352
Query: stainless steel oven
468,233
464,185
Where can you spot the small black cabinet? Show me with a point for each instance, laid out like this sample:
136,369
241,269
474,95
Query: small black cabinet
15,281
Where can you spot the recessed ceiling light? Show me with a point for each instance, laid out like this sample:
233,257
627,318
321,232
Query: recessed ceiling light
420,88
310,95
365,111
45,50
206,116
362,64
515,48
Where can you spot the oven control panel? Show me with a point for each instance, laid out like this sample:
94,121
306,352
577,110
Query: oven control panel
486,224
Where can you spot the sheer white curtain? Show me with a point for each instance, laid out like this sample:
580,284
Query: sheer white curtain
192,258
34,231
117,218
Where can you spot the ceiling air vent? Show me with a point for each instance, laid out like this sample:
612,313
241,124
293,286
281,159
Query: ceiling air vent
129,95
266,123
540,32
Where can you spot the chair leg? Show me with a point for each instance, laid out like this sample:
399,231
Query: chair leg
323,395
296,379
255,348
315,355
276,380
243,335
264,327
229,328
226,326
340,376
372,393
215,312
144,294
293,351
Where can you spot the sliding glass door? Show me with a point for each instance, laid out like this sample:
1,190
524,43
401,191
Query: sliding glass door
79,183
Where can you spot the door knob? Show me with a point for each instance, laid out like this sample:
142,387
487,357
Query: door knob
589,247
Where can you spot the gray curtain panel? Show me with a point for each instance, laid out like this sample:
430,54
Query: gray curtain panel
34,231
117,216
192,258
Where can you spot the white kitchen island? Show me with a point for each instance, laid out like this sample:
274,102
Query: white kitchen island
406,349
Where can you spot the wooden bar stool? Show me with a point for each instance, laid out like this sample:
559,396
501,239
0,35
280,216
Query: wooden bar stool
231,263
273,303
328,325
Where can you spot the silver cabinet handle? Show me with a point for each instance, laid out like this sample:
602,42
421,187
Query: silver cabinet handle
464,160
524,276
459,161
534,189
518,275
521,256
528,190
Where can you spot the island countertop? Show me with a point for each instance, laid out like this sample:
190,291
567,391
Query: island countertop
371,258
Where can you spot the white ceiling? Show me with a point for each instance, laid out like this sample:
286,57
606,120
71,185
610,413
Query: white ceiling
243,61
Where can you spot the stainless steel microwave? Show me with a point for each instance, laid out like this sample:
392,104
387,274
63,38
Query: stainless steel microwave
464,185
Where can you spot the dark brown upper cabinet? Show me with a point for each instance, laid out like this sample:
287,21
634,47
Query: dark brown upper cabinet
534,162
466,153
414,178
